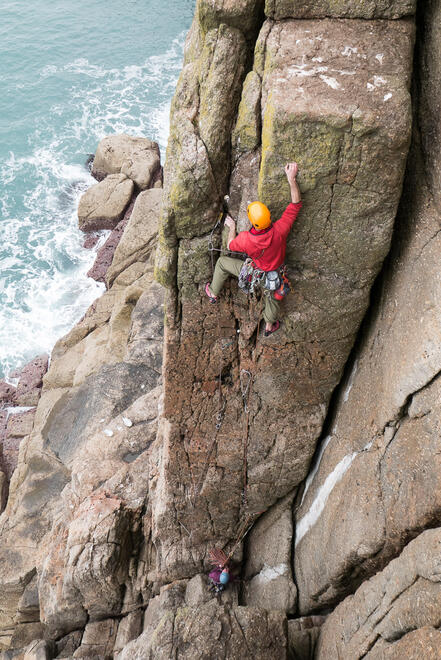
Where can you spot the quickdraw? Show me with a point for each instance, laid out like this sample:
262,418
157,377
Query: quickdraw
250,277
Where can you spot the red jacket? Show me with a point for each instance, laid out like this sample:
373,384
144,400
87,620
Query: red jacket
267,247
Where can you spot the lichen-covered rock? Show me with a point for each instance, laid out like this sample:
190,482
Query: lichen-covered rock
383,447
243,15
233,633
246,133
404,597
281,9
136,157
202,115
102,206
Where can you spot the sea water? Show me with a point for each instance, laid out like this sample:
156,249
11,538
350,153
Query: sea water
71,72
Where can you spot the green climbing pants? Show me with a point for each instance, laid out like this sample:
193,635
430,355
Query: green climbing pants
227,266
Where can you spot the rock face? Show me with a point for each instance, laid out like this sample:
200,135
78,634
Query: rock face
384,444
280,9
78,495
137,158
30,381
269,582
141,460
334,96
379,619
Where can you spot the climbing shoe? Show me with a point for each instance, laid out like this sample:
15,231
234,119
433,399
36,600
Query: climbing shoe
275,326
212,299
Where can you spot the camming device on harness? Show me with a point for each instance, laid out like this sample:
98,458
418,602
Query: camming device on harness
273,281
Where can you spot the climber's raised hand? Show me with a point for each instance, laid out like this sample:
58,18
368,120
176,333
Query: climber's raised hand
291,171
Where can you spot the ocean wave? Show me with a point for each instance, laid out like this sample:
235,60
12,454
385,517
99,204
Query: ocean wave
44,289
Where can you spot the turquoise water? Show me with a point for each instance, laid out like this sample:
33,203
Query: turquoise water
70,73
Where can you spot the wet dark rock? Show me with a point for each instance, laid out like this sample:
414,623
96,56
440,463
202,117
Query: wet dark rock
90,241
105,253
7,393
31,381
89,162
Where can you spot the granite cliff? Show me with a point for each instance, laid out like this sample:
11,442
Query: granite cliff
167,426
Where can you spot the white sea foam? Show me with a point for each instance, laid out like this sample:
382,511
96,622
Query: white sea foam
44,289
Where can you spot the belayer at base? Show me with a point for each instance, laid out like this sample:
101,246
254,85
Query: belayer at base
264,243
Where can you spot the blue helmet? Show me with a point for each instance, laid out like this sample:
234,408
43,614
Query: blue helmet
224,577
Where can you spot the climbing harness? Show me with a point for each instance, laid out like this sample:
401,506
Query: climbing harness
273,282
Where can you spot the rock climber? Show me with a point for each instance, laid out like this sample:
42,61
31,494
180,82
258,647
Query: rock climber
264,243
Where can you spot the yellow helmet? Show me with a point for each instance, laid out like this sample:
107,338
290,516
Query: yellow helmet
259,215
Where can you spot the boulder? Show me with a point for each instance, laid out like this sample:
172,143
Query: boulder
98,640
139,239
237,632
129,628
281,9
138,158
422,643
404,597
67,645
102,206
268,568
39,649
20,423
